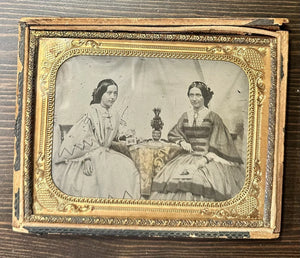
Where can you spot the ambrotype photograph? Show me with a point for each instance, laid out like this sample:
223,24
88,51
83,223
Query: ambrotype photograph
150,128
144,129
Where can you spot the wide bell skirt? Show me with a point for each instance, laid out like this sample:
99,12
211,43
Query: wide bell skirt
181,179
114,176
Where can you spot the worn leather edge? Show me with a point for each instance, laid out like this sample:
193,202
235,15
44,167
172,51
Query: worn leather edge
281,119
18,127
251,21
139,233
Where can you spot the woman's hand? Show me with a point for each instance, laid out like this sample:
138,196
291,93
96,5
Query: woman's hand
186,146
88,167
202,162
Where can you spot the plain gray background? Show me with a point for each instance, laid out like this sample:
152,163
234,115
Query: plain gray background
145,83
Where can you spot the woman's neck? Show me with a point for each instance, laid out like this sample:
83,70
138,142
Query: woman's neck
107,108
198,109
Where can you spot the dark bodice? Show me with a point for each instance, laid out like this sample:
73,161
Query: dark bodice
208,134
198,136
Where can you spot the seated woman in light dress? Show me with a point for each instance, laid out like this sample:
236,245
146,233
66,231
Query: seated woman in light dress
93,168
210,168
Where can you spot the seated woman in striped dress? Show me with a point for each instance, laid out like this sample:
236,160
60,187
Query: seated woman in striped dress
210,167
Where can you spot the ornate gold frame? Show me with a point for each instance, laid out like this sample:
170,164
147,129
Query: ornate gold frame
39,206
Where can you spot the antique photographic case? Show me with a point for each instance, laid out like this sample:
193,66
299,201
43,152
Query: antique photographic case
150,127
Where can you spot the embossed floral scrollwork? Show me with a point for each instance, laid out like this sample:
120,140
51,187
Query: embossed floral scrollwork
71,207
86,43
40,170
261,91
44,198
248,207
49,54
256,179
225,214
243,208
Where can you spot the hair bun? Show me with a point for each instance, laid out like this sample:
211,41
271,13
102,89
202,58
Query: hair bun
207,93
100,90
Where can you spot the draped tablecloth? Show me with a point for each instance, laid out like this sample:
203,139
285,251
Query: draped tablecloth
149,157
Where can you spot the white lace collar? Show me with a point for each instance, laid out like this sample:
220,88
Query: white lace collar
199,116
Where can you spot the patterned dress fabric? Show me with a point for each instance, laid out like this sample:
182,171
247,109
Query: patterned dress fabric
114,174
183,178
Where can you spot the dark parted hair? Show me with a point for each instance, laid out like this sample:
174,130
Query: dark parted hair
101,89
206,92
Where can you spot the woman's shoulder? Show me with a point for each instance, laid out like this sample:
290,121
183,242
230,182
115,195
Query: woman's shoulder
183,116
213,115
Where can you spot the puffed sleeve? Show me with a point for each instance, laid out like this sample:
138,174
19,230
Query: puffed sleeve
176,134
79,140
221,142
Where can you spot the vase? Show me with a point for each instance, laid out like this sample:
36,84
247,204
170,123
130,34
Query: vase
156,134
